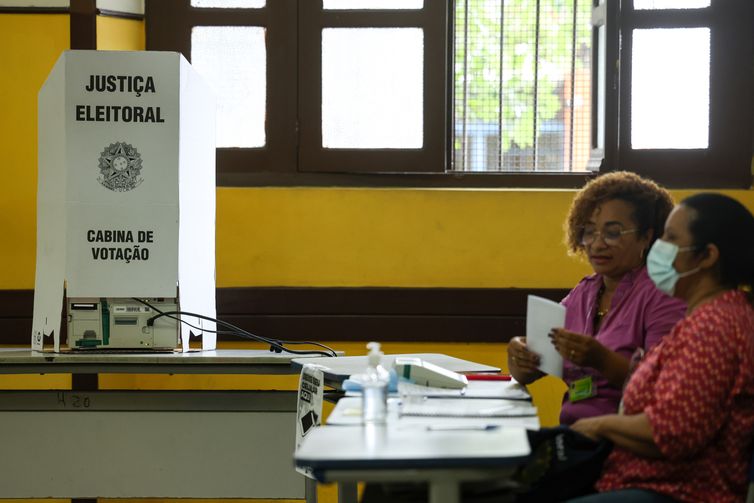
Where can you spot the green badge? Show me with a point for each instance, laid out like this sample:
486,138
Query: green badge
581,389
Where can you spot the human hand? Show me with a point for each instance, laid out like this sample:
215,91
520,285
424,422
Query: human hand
583,350
520,358
589,427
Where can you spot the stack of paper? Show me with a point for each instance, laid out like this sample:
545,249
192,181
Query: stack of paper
510,390
449,407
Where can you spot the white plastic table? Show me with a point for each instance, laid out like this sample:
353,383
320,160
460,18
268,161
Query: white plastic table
391,453
139,443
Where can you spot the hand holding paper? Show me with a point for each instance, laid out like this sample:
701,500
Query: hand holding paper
583,350
541,316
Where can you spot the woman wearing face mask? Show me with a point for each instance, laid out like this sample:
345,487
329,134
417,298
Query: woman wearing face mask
613,222
688,422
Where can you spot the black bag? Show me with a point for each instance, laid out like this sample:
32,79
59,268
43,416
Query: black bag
563,464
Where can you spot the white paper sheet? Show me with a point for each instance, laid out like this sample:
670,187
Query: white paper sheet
541,316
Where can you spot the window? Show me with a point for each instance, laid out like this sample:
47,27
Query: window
471,92
522,85
308,86
685,91
372,86
233,59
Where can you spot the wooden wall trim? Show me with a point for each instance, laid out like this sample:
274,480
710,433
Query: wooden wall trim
83,24
344,314
237,174
66,10
16,311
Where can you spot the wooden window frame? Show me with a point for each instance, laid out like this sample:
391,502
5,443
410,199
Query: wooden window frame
726,163
307,164
294,156
174,33
431,157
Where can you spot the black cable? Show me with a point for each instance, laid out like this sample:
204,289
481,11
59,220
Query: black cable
235,331
275,345
169,314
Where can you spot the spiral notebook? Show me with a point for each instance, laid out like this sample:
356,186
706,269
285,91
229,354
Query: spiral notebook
480,407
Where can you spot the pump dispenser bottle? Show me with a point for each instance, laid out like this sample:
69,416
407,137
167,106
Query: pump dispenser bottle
375,385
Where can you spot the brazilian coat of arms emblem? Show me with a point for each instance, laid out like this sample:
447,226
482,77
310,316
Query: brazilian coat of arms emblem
120,167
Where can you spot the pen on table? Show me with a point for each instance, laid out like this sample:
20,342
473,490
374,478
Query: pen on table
463,427
488,377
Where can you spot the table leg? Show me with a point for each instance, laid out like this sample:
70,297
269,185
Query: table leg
347,492
84,382
310,490
444,491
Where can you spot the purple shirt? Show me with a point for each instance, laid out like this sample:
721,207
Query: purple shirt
639,316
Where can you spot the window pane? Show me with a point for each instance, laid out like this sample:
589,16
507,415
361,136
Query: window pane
226,4
233,60
522,85
671,4
373,4
372,87
670,88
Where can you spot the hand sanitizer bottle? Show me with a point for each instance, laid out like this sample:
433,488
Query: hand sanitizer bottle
374,394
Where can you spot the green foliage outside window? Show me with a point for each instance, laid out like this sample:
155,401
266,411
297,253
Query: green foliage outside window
478,81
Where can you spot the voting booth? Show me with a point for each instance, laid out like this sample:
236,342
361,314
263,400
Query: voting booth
125,203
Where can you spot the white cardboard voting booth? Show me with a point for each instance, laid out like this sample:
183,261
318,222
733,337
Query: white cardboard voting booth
126,191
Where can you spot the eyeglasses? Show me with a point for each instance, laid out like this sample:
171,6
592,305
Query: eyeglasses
611,234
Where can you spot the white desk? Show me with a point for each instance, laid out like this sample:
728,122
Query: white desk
345,452
138,444
444,459
221,361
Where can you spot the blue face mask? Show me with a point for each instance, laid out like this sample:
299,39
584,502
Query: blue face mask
660,265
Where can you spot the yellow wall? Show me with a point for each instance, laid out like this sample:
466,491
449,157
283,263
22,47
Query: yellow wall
30,46
116,34
392,237
396,237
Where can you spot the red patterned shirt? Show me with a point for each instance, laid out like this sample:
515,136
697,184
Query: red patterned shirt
697,389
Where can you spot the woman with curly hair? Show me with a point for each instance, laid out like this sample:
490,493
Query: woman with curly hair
616,312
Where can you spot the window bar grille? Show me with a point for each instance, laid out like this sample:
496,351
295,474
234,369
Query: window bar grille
464,137
573,84
500,91
536,81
